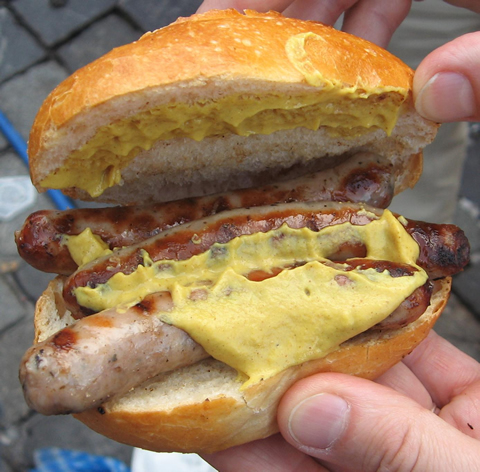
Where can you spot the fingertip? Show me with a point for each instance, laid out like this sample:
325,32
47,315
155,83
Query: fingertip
308,432
325,415
446,97
446,85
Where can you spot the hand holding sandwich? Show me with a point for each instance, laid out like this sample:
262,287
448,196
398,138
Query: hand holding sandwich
446,86
420,415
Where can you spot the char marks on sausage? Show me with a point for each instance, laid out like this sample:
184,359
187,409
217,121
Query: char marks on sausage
183,242
444,248
363,178
76,369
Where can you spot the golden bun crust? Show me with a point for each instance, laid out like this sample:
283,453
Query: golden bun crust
207,57
171,55
201,408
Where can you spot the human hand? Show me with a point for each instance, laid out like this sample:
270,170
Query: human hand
423,414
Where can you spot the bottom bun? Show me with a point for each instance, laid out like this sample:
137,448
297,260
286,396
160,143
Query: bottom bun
201,408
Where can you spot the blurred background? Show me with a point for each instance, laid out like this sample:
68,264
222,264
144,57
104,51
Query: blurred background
41,43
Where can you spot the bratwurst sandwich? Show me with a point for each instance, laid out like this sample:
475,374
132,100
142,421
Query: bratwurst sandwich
252,158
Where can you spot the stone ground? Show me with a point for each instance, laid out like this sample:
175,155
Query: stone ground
41,43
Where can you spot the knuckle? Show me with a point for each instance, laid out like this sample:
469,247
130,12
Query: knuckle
400,451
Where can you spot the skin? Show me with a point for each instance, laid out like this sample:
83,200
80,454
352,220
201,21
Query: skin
424,413
407,420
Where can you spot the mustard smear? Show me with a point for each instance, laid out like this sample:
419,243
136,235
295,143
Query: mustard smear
261,328
85,247
114,146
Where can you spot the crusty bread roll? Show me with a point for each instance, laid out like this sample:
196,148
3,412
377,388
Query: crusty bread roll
226,57
200,408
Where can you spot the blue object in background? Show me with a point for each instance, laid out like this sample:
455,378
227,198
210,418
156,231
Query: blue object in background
16,140
66,460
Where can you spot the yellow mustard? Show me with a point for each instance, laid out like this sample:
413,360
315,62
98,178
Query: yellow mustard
85,247
261,328
115,145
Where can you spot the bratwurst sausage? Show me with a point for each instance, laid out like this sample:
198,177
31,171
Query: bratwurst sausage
76,369
363,178
443,250
86,363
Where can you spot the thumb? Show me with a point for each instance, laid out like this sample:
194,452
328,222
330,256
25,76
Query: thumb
355,424
446,85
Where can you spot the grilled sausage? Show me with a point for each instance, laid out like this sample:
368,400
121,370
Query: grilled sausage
444,248
40,241
409,310
76,369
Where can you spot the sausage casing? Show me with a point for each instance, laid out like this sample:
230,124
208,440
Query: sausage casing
185,241
363,178
76,369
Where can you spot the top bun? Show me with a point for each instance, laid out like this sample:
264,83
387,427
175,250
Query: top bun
237,100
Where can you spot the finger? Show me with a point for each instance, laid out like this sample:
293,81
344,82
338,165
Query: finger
401,379
270,454
326,11
463,412
240,5
444,370
357,424
376,20
446,85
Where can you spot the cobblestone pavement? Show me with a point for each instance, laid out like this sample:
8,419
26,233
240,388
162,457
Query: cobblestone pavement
41,43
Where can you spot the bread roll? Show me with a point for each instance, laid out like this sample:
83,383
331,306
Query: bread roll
217,62
202,409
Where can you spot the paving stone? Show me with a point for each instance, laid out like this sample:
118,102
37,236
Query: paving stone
12,165
14,305
152,14
467,217
13,344
94,42
31,281
56,24
4,467
22,95
18,49
467,283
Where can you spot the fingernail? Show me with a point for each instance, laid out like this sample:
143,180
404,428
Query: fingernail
447,96
318,421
